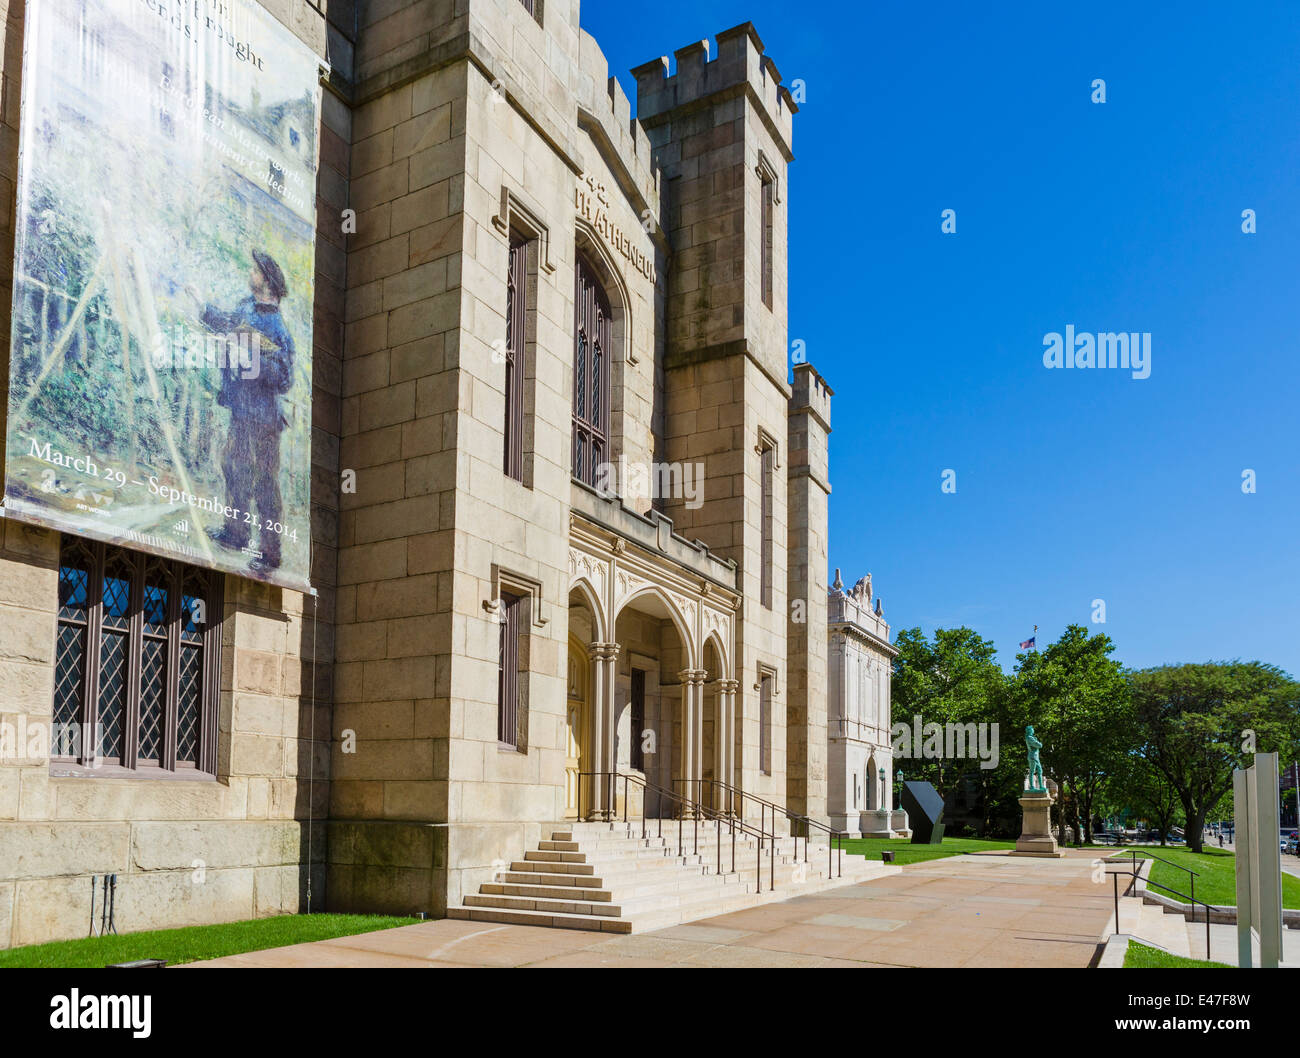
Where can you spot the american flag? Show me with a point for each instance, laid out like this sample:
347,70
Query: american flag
1028,644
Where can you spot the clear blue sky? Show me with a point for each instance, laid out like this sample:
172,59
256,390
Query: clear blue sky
1124,216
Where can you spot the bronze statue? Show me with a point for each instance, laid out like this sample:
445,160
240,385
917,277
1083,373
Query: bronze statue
1035,765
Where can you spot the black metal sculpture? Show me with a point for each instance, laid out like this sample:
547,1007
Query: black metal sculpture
924,807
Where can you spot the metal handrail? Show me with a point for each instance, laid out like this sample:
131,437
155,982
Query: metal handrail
835,844
1148,855
1168,889
612,777
734,822
788,813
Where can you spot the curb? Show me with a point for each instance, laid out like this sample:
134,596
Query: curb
1112,955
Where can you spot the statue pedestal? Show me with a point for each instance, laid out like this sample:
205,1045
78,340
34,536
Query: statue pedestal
1036,830
874,823
899,824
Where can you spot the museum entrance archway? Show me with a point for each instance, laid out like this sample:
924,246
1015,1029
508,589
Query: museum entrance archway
654,681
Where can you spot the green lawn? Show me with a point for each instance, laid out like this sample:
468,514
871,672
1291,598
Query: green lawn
906,852
1216,881
1140,957
197,942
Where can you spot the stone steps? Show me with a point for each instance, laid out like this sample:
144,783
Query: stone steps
607,877
1149,924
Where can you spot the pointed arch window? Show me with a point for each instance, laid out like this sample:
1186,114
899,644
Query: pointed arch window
591,389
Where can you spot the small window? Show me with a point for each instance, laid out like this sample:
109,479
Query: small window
516,354
768,236
508,676
768,487
638,718
137,662
765,684
534,8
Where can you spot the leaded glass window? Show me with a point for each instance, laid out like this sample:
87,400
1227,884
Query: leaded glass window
137,666
591,395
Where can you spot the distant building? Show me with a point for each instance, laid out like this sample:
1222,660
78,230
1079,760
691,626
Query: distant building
860,769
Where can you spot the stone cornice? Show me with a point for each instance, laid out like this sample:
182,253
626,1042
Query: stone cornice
739,347
694,570
860,633
808,472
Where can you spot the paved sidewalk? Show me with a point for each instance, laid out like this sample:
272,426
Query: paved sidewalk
1223,944
973,910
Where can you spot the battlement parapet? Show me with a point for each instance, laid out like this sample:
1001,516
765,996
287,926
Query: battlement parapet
602,99
740,63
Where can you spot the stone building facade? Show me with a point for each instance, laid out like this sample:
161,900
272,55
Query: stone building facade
588,527
860,753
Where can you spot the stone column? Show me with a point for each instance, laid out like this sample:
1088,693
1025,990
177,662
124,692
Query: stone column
698,789
725,768
692,733
604,666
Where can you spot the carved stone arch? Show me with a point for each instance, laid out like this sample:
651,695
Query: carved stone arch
591,246
690,649
724,655
716,624
591,596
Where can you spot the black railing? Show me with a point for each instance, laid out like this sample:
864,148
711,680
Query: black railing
689,810
1190,898
730,794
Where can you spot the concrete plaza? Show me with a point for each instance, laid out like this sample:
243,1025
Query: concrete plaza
970,910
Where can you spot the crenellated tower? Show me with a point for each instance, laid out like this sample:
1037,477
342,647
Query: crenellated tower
808,481
720,129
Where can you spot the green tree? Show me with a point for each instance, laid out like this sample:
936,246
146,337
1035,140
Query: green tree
1145,792
954,679
1198,722
1076,697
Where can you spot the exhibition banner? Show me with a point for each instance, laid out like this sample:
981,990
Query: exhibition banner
160,372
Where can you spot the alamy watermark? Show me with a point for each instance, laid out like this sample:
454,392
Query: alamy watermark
36,739
949,741
239,352
634,480
1126,351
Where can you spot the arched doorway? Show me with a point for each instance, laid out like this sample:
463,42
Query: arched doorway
654,678
584,630
575,716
